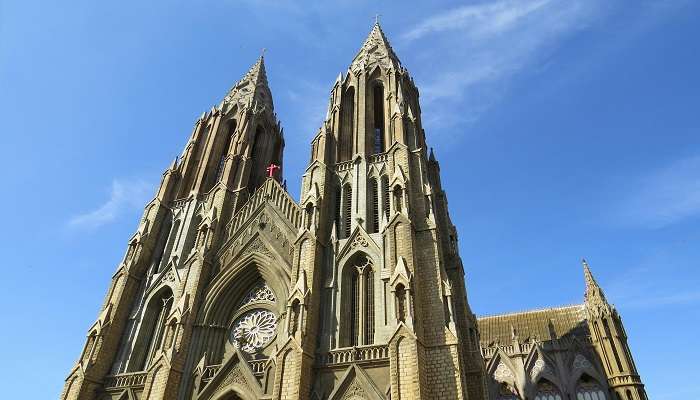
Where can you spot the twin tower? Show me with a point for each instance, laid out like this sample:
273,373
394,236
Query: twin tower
231,289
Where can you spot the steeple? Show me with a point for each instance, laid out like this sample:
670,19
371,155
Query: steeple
375,49
252,88
594,294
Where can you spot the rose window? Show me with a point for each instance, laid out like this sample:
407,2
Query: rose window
254,330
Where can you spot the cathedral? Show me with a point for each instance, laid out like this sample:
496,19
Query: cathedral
232,289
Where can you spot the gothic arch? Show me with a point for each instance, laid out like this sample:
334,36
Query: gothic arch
502,371
538,366
357,298
227,288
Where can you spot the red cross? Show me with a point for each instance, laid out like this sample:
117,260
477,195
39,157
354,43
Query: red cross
271,170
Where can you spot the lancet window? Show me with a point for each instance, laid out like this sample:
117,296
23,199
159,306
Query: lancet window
378,114
224,151
347,125
347,209
153,325
589,389
547,391
360,302
373,197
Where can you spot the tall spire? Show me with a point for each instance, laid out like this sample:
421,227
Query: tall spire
594,294
252,86
375,50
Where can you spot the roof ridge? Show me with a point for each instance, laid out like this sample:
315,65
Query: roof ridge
511,314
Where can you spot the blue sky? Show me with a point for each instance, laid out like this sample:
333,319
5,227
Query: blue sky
565,129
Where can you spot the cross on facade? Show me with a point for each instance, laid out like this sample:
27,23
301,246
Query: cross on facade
271,170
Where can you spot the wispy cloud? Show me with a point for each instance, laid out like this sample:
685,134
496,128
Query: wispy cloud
479,21
664,197
125,194
482,46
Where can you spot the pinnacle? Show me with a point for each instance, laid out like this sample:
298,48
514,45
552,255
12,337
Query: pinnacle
376,45
253,79
592,289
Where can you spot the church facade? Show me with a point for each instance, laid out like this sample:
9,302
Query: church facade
231,289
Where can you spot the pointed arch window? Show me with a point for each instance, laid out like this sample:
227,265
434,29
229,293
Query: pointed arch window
609,336
373,197
401,303
224,151
261,157
347,209
589,389
153,325
359,297
378,118
347,125
338,207
386,195
398,198
547,391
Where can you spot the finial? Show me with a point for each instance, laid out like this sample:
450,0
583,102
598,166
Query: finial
376,19
262,52
432,154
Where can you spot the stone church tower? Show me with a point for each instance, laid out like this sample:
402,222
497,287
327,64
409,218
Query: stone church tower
231,289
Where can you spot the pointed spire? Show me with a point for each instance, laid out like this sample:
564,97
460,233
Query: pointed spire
254,80
375,49
432,154
593,292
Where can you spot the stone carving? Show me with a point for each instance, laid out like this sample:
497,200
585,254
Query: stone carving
169,276
254,330
355,391
502,373
359,241
539,367
260,293
257,246
580,362
235,375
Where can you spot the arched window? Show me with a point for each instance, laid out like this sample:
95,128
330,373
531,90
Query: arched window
294,320
369,304
165,256
385,189
261,156
160,244
359,299
589,389
153,325
629,394
609,336
547,391
401,303
347,125
347,209
506,392
378,128
224,151
373,200
337,210
309,215
398,198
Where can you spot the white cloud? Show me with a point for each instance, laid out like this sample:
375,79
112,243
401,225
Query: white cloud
479,20
125,195
481,47
665,197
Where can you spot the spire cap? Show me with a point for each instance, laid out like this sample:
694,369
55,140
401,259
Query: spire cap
375,50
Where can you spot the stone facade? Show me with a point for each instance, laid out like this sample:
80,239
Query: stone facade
231,289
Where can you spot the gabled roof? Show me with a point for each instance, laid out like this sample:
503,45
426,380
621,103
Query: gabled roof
531,324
